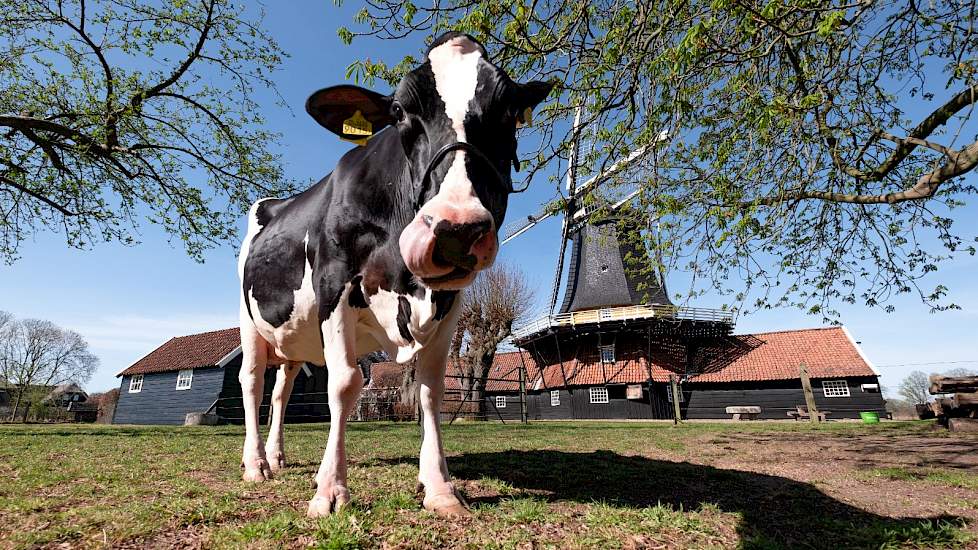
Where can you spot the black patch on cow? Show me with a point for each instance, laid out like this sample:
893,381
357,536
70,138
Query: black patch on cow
274,268
404,318
443,300
357,298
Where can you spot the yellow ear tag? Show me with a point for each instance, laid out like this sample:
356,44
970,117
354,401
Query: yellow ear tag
356,125
526,119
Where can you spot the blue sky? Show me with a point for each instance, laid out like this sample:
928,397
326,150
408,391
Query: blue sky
127,300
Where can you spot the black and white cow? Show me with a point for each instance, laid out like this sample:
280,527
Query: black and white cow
374,255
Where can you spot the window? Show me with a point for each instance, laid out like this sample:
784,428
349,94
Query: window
669,394
184,379
599,395
554,398
604,315
835,388
136,383
607,353
500,401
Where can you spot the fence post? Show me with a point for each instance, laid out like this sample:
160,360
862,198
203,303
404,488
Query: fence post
806,385
674,388
523,415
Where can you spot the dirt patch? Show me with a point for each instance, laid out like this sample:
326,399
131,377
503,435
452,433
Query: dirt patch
843,465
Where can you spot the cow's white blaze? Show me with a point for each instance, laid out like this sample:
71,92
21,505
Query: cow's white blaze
455,65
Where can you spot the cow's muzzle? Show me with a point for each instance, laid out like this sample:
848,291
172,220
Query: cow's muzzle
445,254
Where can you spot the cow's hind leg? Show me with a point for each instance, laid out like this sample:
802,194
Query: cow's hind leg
440,495
275,446
254,359
343,387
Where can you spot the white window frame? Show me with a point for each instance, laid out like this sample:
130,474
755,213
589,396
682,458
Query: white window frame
185,375
554,398
682,398
136,383
500,401
609,349
604,314
835,388
598,394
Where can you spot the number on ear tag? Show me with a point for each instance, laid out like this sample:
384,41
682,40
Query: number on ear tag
358,128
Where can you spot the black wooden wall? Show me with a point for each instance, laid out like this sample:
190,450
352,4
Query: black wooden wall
776,398
308,402
159,402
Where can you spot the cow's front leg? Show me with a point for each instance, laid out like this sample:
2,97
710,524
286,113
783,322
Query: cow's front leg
343,387
441,497
275,446
254,359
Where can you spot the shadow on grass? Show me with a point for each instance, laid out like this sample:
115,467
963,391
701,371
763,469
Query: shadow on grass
775,511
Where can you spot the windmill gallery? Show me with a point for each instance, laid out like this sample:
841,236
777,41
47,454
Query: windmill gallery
616,348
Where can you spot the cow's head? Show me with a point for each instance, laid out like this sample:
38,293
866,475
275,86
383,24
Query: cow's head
456,116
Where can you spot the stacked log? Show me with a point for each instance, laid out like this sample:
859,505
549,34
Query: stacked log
956,406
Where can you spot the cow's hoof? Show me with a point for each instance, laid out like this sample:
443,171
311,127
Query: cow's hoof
258,471
447,505
328,501
276,460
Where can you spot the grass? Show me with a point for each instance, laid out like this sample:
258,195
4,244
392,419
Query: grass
944,477
550,485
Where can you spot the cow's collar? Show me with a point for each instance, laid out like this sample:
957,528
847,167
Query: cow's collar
421,188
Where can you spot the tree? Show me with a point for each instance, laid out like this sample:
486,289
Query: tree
117,111
914,388
816,152
497,300
960,372
106,403
36,355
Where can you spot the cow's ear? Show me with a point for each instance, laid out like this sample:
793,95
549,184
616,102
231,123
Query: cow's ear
351,112
528,96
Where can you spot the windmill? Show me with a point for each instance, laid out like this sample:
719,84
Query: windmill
615,322
597,250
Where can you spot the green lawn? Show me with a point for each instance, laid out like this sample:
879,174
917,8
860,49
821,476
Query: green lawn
557,485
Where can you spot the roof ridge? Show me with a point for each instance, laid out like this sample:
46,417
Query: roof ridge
811,329
204,333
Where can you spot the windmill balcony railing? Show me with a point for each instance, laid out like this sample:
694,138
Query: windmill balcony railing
624,313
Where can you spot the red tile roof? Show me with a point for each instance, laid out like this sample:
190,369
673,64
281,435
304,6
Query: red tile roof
827,352
188,352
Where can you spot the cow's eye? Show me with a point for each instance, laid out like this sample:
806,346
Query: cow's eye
397,112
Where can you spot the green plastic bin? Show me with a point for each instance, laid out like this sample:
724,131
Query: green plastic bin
870,417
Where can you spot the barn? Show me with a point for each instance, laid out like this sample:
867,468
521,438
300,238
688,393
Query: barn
757,370
199,373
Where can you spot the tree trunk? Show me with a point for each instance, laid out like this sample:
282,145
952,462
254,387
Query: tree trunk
409,387
483,367
13,413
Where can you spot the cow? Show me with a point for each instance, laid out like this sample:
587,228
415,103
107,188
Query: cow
374,256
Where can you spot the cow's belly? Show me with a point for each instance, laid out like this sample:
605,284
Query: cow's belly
296,340
397,324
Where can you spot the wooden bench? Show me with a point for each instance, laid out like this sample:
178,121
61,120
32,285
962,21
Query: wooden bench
744,413
801,413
